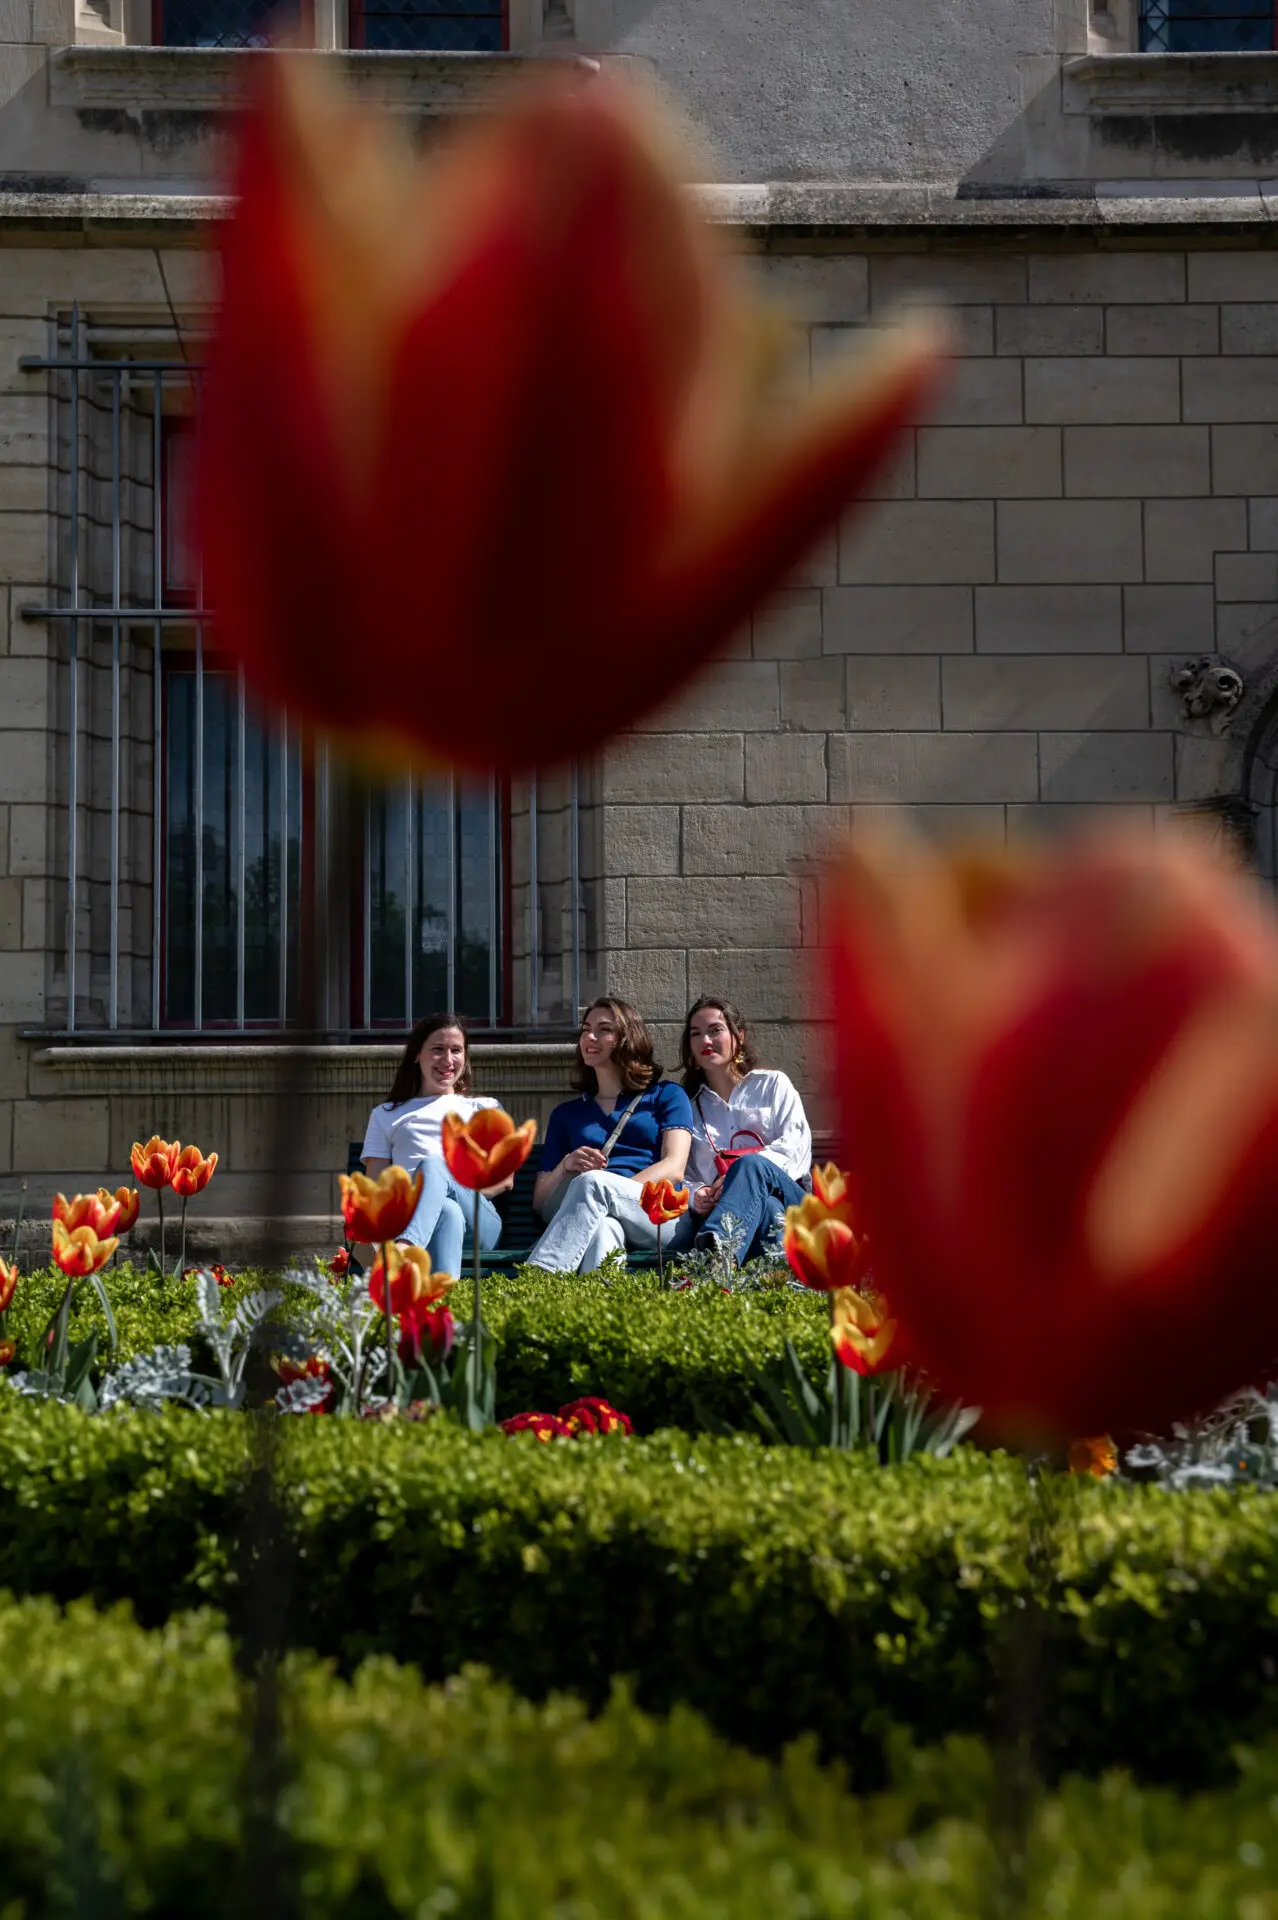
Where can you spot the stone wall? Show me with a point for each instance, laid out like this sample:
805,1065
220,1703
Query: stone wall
987,648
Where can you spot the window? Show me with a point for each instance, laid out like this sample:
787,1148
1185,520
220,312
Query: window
187,883
1208,26
224,23
439,26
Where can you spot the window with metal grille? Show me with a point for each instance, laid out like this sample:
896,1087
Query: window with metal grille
225,23
439,26
1208,26
186,888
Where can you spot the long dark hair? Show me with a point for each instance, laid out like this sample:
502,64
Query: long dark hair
745,1057
407,1083
632,1055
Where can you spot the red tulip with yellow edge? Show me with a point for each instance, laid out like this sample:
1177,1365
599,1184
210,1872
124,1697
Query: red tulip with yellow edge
191,1172
128,1200
79,1251
1061,1069
521,367
88,1210
413,1282
861,1329
823,1250
1096,1458
9,1278
833,1188
487,1149
376,1210
153,1163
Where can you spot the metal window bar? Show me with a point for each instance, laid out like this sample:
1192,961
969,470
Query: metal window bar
128,597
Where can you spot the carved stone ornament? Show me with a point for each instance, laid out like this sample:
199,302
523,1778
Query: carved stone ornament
1208,689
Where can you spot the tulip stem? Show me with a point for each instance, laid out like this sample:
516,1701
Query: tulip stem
390,1321
182,1255
159,1201
661,1268
477,1343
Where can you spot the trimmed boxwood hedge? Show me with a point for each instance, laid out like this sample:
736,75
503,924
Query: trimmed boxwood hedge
778,1592
123,1776
647,1349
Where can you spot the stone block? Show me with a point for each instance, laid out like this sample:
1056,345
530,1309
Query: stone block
674,767
896,479
1103,392
1247,576
986,463
1248,635
931,768
936,823
896,693
655,981
715,911
29,834
24,427
1206,766
1262,525
1183,537
789,627
53,22
1158,619
732,694
10,914
24,768
1107,279
1240,388
1244,459
919,542
1053,619
37,915
1233,276
765,983
20,67
15,21
940,279
1046,820
1107,463
979,393
1030,691
755,840
784,767
613,932
1079,541
898,620
36,277
1092,767
14,1055
23,490
1176,330
812,695
24,692
818,287
1050,330
50,1136
1250,329
641,839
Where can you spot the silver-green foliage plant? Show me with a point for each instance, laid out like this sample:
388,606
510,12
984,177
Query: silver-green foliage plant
1237,1446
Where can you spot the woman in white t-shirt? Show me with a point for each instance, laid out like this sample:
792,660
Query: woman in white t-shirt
751,1152
433,1078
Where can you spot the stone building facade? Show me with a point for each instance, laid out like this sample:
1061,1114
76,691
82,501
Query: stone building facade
1064,596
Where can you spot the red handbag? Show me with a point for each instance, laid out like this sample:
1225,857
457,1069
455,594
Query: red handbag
732,1153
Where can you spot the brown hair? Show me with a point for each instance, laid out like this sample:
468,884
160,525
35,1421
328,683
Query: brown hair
745,1058
632,1055
407,1084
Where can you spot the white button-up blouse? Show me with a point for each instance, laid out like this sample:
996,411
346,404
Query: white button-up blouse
764,1106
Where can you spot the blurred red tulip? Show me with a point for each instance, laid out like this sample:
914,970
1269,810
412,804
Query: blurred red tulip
129,1201
377,1210
153,1163
521,370
87,1210
486,1149
861,1330
7,1350
412,1281
9,1278
1061,1073
79,1251
340,1264
822,1247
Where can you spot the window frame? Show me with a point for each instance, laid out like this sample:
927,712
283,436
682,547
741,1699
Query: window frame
355,28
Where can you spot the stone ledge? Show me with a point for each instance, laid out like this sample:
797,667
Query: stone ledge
520,1070
213,79
1145,85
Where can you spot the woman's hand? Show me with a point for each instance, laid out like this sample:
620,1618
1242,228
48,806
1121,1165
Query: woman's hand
503,1186
581,1160
706,1198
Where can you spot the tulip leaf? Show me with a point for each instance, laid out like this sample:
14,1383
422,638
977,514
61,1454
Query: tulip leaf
100,1290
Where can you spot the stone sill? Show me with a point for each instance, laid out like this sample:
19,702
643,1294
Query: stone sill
525,1069
213,79
1154,85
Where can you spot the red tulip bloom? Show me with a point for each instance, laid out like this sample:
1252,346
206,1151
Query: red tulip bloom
7,1350
1062,1075
1096,1459
377,1210
487,1149
662,1201
87,1210
823,1249
191,1172
79,1251
861,1330
153,1163
9,1277
312,1368
413,1284
426,1333
521,368
594,1416
545,1426
128,1200
340,1264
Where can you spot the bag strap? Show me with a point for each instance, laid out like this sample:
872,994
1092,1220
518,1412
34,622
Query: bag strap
613,1137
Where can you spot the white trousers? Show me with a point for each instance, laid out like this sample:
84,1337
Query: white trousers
598,1215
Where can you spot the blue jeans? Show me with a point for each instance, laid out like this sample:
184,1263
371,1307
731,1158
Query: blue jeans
756,1192
445,1214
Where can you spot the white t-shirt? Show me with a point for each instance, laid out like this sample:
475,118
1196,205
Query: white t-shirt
408,1134
764,1106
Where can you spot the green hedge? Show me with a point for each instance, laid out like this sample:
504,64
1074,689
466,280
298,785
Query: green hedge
776,1591
647,1349
122,1786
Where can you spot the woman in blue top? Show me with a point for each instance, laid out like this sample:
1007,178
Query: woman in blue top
629,1125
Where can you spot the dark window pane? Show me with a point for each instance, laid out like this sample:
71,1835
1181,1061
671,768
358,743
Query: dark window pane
430,26
451,887
224,23
1207,26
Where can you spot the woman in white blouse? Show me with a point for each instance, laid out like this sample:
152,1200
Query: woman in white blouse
751,1144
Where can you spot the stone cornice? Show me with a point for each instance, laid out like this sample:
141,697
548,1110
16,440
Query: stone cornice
527,1069
1143,85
